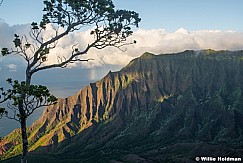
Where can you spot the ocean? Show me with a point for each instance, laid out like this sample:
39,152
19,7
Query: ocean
61,82
59,89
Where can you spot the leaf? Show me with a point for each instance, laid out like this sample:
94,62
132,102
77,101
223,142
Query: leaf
43,58
5,51
23,83
2,110
27,45
9,80
43,24
47,50
34,24
17,42
52,99
92,32
35,27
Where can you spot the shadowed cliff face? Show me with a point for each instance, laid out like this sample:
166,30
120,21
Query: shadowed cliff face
175,101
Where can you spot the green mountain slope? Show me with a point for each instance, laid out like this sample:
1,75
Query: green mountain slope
159,108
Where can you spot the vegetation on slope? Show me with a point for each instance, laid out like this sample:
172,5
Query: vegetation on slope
166,108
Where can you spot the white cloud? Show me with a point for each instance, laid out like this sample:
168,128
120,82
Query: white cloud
7,33
156,41
12,67
160,41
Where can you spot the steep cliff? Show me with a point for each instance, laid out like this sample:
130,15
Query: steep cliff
157,108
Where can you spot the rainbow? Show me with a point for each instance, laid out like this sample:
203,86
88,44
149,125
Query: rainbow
92,74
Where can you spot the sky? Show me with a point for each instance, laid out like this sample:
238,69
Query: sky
167,14
167,26
189,14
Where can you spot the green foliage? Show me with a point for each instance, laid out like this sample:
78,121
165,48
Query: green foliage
32,96
17,41
59,11
66,13
112,27
34,26
3,112
5,51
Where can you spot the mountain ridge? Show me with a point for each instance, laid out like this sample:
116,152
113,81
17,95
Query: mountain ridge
155,102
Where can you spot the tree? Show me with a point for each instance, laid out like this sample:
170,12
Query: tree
111,28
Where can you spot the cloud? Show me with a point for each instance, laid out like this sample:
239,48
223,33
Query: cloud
7,33
160,41
12,67
157,41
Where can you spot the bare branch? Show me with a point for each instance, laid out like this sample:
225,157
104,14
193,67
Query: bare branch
14,118
4,95
112,29
62,64
14,109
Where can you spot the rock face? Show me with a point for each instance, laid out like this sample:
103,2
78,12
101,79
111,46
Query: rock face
164,108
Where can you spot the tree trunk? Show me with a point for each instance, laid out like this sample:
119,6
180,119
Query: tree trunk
23,119
23,132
